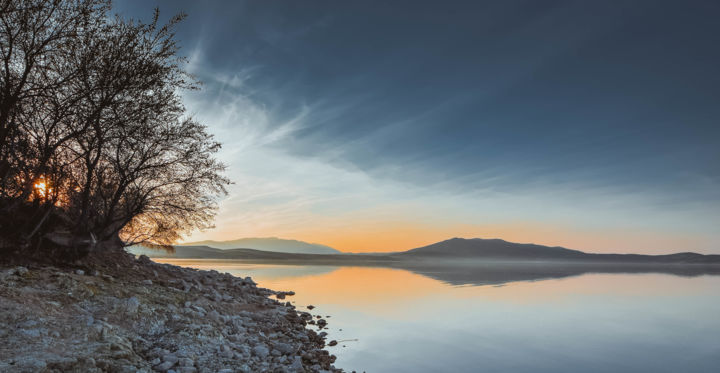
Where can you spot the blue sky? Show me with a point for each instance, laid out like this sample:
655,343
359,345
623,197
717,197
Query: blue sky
389,125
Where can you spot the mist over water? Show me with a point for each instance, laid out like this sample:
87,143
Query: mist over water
394,320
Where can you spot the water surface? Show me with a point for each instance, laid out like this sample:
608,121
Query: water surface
393,320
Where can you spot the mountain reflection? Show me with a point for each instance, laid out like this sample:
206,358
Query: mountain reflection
476,273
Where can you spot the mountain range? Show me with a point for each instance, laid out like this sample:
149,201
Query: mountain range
474,261
456,250
273,244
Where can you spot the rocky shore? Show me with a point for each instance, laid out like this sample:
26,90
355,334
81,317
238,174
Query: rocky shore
121,314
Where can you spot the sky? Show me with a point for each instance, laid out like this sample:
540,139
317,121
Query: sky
385,126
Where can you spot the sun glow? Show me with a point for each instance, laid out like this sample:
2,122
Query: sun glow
42,189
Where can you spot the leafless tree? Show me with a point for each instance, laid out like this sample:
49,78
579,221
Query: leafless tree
95,144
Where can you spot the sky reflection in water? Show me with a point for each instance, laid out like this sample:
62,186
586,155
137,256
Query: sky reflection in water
399,321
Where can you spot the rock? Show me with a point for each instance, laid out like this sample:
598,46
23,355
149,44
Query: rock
310,307
32,333
132,305
30,364
332,343
164,366
261,351
215,316
80,272
147,282
297,365
170,358
284,348
186,362
227,354
144,259
21,271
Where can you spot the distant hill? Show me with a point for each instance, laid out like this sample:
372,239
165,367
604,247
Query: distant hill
496,249
455,252
490,249
205,252
273,244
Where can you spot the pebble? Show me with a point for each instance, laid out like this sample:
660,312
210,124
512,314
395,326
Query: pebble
170,358
284,348
261,351
80,272
21,271
164,366
132,305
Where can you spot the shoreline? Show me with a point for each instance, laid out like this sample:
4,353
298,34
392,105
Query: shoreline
128,315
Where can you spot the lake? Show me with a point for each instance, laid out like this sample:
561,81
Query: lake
394,320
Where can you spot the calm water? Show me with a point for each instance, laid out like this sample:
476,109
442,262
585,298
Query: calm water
391,320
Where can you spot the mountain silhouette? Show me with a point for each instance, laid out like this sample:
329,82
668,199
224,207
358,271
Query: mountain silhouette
272,244
497,249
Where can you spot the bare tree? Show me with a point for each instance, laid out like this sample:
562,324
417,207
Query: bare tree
97,146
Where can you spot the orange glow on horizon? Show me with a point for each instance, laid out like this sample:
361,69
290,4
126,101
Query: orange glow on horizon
387,236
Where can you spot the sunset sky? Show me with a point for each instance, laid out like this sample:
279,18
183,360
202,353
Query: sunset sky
593,125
